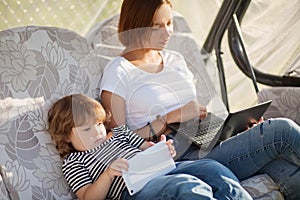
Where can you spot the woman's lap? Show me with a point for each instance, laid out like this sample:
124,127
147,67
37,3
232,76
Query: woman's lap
251,150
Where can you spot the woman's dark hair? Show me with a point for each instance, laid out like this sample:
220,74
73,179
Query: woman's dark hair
135,17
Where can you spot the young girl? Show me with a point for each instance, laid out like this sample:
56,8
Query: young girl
93,161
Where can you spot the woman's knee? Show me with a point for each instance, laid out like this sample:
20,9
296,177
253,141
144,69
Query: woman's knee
283,123
283,128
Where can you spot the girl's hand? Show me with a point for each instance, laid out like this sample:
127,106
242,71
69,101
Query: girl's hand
170,145
116,167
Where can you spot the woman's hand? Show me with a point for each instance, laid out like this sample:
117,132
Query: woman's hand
254,123
187,112
170,145
116,167
203,112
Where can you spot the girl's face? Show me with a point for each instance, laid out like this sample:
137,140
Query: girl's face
162,27
88,136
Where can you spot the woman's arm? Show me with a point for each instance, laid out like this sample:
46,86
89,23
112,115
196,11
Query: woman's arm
99,189
185,113
188,111
115,105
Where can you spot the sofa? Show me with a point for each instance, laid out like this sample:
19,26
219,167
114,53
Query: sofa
38,65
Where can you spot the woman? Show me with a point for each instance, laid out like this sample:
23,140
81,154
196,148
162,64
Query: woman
148,87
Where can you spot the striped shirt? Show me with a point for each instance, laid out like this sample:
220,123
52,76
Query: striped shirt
81,168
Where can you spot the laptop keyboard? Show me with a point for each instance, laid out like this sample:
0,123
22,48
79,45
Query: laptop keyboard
204,132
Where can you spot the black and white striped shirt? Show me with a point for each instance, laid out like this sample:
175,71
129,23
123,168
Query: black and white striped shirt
83,168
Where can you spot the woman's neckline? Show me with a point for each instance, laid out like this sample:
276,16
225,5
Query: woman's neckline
147,67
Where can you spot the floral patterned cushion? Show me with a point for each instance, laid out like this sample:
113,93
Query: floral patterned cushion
37,66
262,187
285,102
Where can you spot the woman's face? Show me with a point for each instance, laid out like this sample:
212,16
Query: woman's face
162,27
87,136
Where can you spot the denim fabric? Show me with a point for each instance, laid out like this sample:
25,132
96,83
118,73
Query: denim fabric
286,175
201,179
272,147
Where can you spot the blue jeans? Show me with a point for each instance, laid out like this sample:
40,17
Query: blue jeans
272,147
201,179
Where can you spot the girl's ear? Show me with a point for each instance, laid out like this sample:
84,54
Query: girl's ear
67,139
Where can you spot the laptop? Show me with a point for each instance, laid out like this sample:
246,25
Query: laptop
212,130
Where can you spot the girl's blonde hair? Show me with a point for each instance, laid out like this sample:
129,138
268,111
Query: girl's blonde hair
69,112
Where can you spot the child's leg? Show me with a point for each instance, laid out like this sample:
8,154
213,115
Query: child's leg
170,187
224,183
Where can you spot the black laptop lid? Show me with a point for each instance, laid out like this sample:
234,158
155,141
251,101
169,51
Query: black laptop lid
239,121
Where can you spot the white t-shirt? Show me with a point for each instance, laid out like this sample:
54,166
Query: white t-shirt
149,94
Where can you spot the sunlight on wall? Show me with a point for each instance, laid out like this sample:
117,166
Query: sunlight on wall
276,35
75,15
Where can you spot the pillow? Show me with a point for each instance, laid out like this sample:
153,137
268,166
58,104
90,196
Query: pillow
262,187
285,102
35,62
30,163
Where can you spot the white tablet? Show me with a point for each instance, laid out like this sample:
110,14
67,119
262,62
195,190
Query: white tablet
146,165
